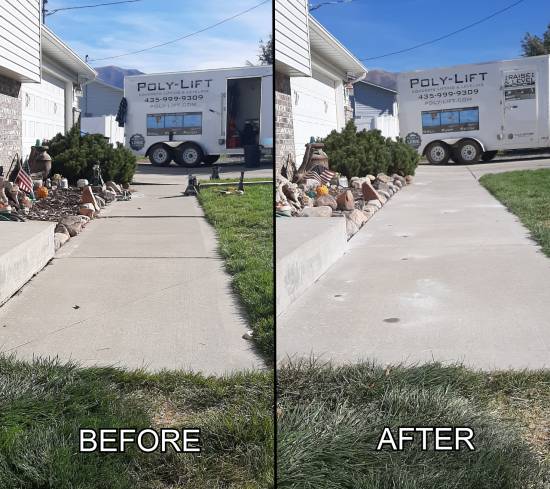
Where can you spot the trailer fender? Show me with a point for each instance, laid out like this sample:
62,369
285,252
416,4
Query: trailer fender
453,141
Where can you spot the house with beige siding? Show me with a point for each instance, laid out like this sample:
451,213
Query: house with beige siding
40,80
314,75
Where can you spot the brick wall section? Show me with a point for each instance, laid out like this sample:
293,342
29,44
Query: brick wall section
10,120
284,127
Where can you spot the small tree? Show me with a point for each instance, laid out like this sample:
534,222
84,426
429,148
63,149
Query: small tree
359,153
267,54
533,45
74,156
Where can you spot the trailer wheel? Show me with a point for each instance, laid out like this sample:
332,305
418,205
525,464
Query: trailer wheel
468,151
488,155
160,155
438,153
189,154
211,159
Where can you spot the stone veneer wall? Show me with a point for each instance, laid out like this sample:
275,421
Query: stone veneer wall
10,120
284,127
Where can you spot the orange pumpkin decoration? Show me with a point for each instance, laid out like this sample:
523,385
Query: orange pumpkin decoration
322,190
42,192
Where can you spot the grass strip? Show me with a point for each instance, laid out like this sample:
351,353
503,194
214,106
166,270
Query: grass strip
330,420
44,403
244,224
526,194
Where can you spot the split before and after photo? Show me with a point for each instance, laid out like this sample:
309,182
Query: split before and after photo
278,243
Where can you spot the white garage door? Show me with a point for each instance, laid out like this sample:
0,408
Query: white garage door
315,112
43,110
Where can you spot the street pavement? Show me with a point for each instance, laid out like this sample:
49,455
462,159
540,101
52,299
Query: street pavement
443,272
142,287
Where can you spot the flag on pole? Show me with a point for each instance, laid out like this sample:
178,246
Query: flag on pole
327,175
24,181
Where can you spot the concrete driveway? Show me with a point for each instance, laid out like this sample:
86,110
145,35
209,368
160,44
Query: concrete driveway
443,272
141,287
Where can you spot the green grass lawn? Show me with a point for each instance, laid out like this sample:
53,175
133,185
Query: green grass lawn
43,405
244,224
330,420
527,195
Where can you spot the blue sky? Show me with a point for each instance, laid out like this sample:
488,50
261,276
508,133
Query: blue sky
374,27
116,29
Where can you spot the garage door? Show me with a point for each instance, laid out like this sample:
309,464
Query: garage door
43,111
314,108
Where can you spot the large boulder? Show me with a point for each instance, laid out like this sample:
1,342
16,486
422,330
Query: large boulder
73,224
88,197
322,211
345,201
369,193
60,239
324,200
357,217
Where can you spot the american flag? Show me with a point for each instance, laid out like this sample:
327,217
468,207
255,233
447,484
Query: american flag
325,177
24,181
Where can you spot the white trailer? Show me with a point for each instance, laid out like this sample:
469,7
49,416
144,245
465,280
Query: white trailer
470,112
195,117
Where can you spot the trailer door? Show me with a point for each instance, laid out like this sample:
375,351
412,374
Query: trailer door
520,108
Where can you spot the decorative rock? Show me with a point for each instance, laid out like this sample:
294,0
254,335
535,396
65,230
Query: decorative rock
398,183
100,202
383,178
87,210
325,200
73,224
395,176
114,187
88,197
369,211
357,217
345,201
81,183
372,178
351,228
248,335
61,228
409,179
322,211
60,239
385,193
109,195
375,203
369,193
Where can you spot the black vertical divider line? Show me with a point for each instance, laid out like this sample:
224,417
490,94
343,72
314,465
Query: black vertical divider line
275,400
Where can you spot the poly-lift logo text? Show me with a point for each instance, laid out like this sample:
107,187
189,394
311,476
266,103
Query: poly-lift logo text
442,81
173,85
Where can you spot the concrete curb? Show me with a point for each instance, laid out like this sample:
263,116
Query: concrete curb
25,249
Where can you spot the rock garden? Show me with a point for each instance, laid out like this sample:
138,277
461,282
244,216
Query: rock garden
76,192
366,171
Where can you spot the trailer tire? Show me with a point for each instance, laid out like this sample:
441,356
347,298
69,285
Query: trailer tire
488,155
468,151
189,154
211,159
160,155
438,153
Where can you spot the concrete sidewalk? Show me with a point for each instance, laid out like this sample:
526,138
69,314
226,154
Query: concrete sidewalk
443,272
141,287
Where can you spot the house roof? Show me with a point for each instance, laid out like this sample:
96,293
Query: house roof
378,86
56,49
323,43
99,81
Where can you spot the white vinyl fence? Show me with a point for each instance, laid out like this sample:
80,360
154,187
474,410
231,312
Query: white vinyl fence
388,125
105,125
